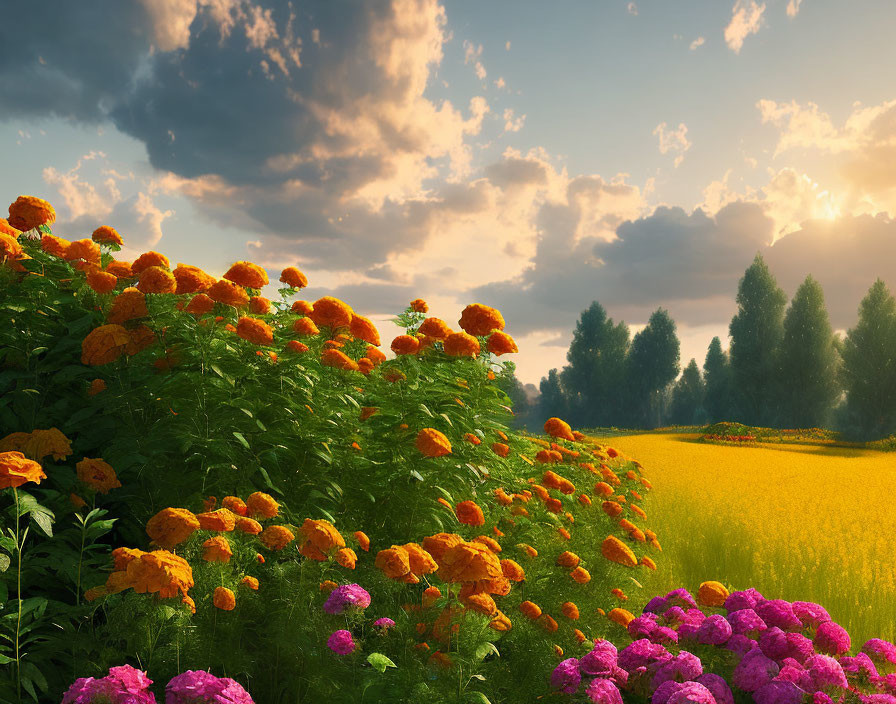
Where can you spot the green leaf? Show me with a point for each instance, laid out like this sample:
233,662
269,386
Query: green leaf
242,439
416,475
478,697
380,662
4,562
483,650
44,522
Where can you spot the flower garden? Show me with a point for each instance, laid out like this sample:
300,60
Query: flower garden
210,496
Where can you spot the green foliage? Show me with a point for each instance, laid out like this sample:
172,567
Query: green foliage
756,331
651,365
687,397
869,367
717,378
808,360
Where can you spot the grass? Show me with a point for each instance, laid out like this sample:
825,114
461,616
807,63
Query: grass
797,522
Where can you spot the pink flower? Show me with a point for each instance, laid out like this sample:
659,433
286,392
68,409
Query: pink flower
664,634
683,667
801,648
641,653
777,612
602,691
201,687
601,661
681,597
747,599
715,630
566,676
691,693
347,596
716,684
642,626
384,623
753,671
832,639
773,643
880,651
746,622
810,614
123,685
341,642
825,672
779,692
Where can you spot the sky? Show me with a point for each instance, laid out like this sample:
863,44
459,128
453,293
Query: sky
530,156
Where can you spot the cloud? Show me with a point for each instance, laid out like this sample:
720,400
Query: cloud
472,54
697,43
746,19
507,45
511,123
632,8
793,7
673,141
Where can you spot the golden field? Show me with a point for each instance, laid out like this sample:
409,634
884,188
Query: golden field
797,522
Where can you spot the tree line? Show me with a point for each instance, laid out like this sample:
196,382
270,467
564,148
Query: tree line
785,367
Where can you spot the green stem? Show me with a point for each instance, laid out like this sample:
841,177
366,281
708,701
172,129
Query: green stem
15,494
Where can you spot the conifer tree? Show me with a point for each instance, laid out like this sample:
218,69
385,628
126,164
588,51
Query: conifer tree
717,380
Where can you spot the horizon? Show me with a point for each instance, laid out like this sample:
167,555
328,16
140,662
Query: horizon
631,153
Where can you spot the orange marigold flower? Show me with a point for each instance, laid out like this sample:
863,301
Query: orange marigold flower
247,274
553,505
547,623
374,355
405,344
619,594
259,558
148,259
347,558
98,475
76,501
261,504
367,411
250,582
481,604
570,610
394,562
293,278
638,511
171,526
435,328
302,307
228,293
39,443
327,586
460,344
209,503
259,305
322,535
363,540
431,595
621,616
276,537
86,250
469,513
568,559
500,449
558,651
421,562
101,281
490,543
221,520
255,331
364,329
584,499
611,508
106,235
121,269
616,551
16,469
579,636
557,428
469,562
440,543
647,562
235,505
7,229
564,533
501,343
512,571
500,623
418,305
338,360
28,212
296,346
469,437
603,489
141,338
104,344
127,305
480,320
247,525
155,279
216,549
531,552
580,575
331,312
530,610
57,246
224,599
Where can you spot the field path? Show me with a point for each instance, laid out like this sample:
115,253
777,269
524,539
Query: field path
798,522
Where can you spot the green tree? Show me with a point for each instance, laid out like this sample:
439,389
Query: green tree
552,402
808,361
509,383
756,332
594,377
717,380
652,365
869,366
687,397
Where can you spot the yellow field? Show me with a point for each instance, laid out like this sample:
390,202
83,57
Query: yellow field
807,523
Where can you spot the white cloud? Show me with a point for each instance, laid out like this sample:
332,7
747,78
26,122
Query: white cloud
472,55
793,7
512,123
500,83
674,141
697,43
632,8
507,46
746,19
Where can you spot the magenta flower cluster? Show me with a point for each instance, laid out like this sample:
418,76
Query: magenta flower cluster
347,596
127,685
783,653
